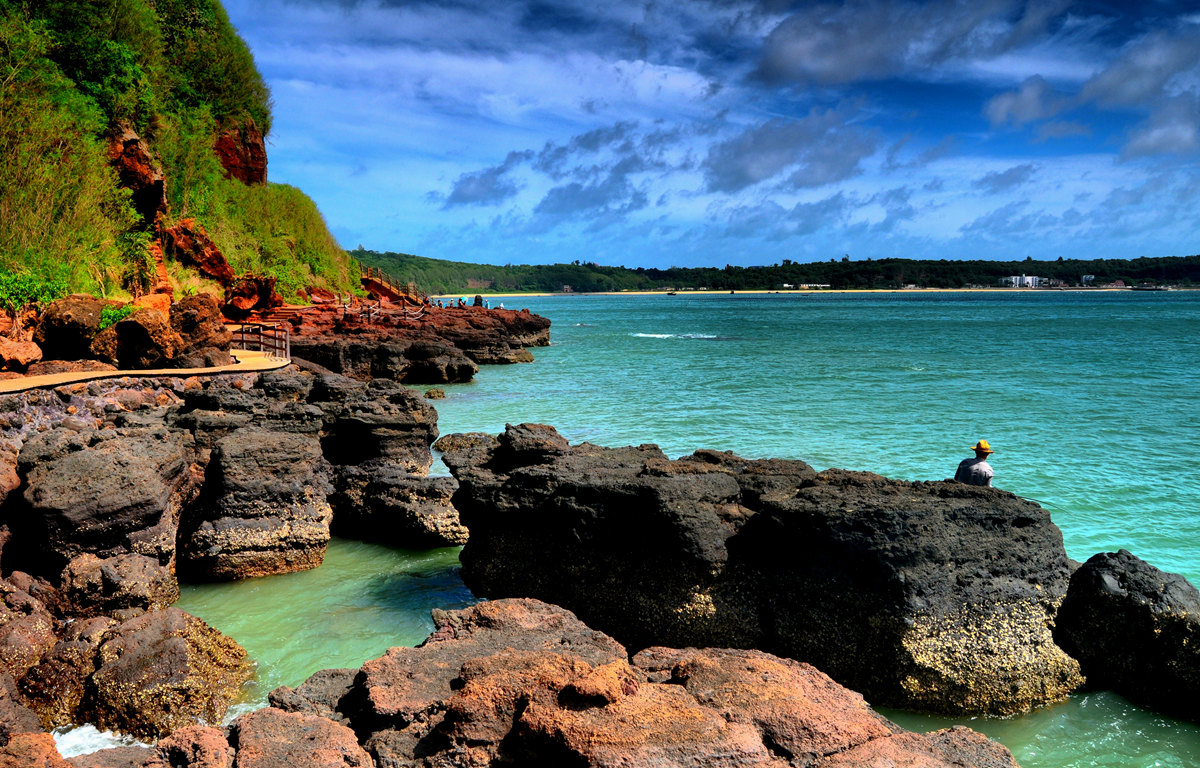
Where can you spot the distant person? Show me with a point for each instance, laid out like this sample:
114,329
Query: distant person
976,471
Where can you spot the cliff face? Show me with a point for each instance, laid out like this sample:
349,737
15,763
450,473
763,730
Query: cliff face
160,119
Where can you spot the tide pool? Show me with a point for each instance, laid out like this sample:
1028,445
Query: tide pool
1091,400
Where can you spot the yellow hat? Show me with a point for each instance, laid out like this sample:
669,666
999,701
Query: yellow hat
982,445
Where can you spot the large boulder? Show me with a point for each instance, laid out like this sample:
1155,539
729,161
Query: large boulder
92,586
57,686
272,738
18,355
263,509
934,596
383,503
519,682
104,492
164,670
26,630
67,327
204,339
1135,629
144,340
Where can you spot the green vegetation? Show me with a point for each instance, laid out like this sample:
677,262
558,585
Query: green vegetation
110,315
437,276
21,290
176,71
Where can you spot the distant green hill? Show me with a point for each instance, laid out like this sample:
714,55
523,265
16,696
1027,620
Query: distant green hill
441,277
177,73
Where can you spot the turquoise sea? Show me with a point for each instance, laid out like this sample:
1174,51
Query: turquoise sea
1091,401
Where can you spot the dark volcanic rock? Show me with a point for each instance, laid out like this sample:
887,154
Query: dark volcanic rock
1136,629
26,629
204,339
263,509
93,586
518,682
67,327
104,492
56,687
164,670
382,502
141,341
935,596
15,717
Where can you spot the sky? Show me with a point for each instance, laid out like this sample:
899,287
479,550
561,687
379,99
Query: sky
714,132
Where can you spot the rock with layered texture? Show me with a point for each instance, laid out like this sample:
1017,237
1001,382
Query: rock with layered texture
263,509
384,503
524,683
67,327
1136,629
934,596
103,492
164,670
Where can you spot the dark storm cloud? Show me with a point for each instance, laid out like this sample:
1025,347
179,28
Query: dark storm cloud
838,43
818,149
1002,181
488,186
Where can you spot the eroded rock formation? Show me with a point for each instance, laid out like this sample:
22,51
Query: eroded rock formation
935,596
242,152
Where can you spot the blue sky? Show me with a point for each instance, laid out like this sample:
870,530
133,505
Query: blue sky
713,132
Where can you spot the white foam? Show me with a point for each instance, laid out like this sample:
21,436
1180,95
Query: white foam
653,335
86,739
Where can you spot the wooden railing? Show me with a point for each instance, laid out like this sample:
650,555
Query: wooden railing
272,338
384,279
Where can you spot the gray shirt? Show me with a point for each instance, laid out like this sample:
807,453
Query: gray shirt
974,472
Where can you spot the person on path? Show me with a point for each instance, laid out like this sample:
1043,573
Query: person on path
976,471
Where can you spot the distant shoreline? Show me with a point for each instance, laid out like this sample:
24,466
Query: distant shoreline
782,291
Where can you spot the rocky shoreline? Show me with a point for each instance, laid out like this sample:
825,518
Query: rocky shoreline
714,593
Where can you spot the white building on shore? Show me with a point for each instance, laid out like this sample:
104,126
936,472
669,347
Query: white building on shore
1022,281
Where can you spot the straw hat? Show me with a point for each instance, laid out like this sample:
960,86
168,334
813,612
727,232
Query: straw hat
982,445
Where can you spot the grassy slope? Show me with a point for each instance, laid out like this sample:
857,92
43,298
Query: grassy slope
177,72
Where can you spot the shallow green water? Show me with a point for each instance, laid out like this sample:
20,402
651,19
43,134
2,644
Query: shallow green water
1092,402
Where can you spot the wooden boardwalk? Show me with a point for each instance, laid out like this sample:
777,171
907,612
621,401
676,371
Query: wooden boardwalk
247,361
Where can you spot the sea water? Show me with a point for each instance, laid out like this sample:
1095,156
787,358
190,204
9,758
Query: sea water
1091,401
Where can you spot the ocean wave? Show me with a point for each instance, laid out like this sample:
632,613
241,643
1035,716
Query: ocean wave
674,336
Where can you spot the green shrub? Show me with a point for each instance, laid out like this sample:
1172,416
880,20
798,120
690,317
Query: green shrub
110,315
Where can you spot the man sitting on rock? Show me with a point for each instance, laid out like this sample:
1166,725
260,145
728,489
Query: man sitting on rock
976,471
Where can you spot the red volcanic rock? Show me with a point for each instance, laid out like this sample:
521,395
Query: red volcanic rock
242,153
31,750
67,327
272,738
519,682
143,340
187,242
18,355
250,293
196,746
432,346
139,172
